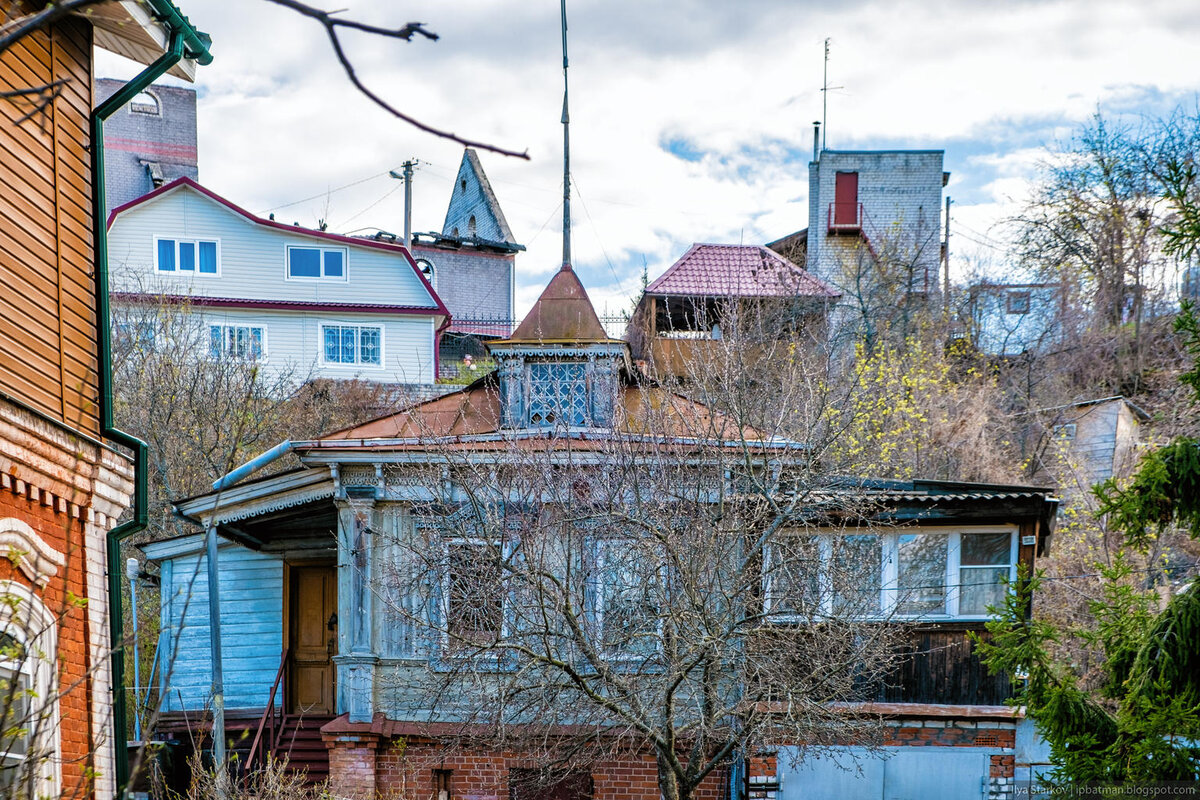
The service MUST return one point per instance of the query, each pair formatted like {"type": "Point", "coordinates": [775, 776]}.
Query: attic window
{"type": "Point", "coordinates": [426, 267]}
{"type": "Point", "coordinates": [145, 103]}
{"type": "Point", "coordinates": [471, 226]}
{"type": "Point", "coordinates": [462, 186]}
{"type": "Point", "coordinates": [1017, 302]}
{"type": "Point", "coordinates": [558, 394]}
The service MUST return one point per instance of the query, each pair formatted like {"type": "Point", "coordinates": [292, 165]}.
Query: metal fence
{"type": "Point", "coordinates": [464, 344]}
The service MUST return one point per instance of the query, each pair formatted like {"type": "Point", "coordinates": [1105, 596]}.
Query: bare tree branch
{"type": "Point", "coordinates": [17, 28]}
{"type": "Point", "coordinates": [332, 23]}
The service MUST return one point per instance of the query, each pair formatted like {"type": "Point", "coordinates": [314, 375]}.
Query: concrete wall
{"type": "Point", "coordinates": [130, 138]}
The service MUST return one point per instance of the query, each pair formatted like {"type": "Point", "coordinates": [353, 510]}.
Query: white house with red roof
{"type": "Point", "coordinates": [690, 303]}
{"type": "Point", "coordinates": [303, 303]}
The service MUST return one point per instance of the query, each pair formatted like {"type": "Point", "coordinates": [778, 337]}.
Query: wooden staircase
{"type": "Point", "coordinates": [300, 741]}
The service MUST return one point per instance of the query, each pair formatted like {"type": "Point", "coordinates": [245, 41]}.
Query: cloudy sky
{"type": "Point", "coordinates": [691, 119]}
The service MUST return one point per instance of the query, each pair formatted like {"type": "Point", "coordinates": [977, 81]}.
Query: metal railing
{"type": "Point", "coordinates": [502, 327]}
{"type": "Point", "coordinates": [267, 723]}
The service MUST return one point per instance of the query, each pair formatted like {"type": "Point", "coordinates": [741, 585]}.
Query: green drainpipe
{"type": "Point", "coordinates": [185, 40]}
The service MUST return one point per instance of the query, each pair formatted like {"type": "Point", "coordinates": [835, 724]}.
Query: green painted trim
{"type": "Point", "coordinates": [181, 32]}
{"type": "Point", "coordinates": [196, 43]}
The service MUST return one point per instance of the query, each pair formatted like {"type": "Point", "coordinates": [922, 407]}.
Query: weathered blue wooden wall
{"type": "Point", "coordinates": [251, 587]}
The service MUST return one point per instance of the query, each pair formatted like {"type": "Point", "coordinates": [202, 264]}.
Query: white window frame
{"type": "Point", "coordinates": [358, 363]}
{"type": "Point", "coordinates": [597, 548]}
{"type": "Point", "coordinates": [175, 270]}
{"type": "Point", "coordinates": [25, 617]}
{"type": "Point", "coordinates": [889, 591]}
{"type": "Point", "coordinates": [322, 278]}
{"type": "Point", "coordinates": [225, 354]}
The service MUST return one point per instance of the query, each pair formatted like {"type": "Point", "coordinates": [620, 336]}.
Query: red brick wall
{"type": "Point", "coordinates": [405, 769]}
{"type": "Point", "coordinates": [1002, 767]}
{"type": "Point", "coordinates": [60, 525]}
{"type": "Point", "coordinates": [949, 734]}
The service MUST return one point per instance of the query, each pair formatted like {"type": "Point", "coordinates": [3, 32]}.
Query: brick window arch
{"type": "Point", "coordinates": [30, 742]}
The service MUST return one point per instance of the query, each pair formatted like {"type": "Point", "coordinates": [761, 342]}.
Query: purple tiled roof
{"type": "Point", "coordinates": [737, 270]}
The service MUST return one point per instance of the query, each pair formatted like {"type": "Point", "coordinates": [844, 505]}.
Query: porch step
{"type": "Point", "coordinates": [300, 740]}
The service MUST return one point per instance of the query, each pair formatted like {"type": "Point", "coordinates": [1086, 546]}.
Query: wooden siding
{"type": "Point", "coordinates": [47, 308]}
{"type": "Point", "coordinates": [939, 664]}
{"type": "Point", "coordinates": [251, 633]}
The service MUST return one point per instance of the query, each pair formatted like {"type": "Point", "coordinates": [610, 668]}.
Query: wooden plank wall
{"type": "Point", "coordinates": [48, 341]}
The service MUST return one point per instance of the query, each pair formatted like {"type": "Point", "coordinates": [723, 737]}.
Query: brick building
{"type": "Point", "coordinates": [149, 142]}
{"type": "Point", "coordinates": [63, 483]}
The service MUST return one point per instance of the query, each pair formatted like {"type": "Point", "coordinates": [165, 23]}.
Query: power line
{"type": "Point", "coordinates": [325, 193]}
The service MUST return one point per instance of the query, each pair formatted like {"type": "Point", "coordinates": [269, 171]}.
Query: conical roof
{"type": "Point", "coordinates": [563, 313]}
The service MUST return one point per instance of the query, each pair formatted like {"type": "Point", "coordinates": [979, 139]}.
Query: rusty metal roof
{"type": "Point", "coordinates": [563, 313]}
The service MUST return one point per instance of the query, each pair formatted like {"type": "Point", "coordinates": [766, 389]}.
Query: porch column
{"type": "Point", "coordinates": [357, 656]}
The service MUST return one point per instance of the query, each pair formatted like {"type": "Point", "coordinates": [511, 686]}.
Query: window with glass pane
{"type": "Point", "coordinates": [558, 394]}
{"type": "Point", "coordinates": [316, 262]}
{"type": "Point", "coordinates": [368, 345]}
{"type": "Point", "coordinates": [166, 255]}
{"type": "Point", "coordinates": [985, 563]}
{"type": "Point", "coordinates": [474, 593]}
{"type": "Point", "coordinates": [304, 262]}
{"type": "Point", "coordinates": [15, 722]}
{"type": "Point", "coordinates": [794, 575]}
{"type": "Point", "coordinates": [187, 256]}
{"type": "Point", "coordinates": [921, 573]}
{"type": "Point", "coordinates": [628, 585]}
{"type": "Point", "coordinates": [855, 572]}
{"type": "Point", "coordinates": [236, 341]}
{"type": "Point", "coordinates": [333, 263]}
{"type": "Point", "coordinates": [208, 257]}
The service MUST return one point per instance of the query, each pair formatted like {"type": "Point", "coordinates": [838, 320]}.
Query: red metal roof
{"type": "Point", "coordinates": [737, 270]}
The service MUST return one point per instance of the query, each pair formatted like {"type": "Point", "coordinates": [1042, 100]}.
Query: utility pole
{"type": "Point", "coordinates": [946, 265]}
{"type": "Point", "coordinates": [407, 177]}
{"type": "Point", "coordinates": [218, 673]}
{"type": "Point", "coordinates": [566, 123]}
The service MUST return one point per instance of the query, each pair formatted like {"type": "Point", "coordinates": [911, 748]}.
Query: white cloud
{"type": "Point", "coordinates": [739, 82]}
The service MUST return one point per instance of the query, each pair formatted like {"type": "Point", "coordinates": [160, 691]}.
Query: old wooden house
{"type": "Point", "coordinates": [66, 475]}
{"type": "Point", "coordinates": [351, 585]}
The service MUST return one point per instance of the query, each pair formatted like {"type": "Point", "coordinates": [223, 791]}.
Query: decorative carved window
{"type": "Point", "coordinates": [558, 394]}
{"type": "Point", "coordinates": [628, 595]}
{"type": "Point", "coordinates": [474, 592]}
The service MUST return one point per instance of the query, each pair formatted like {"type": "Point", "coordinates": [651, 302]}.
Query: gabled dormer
{"type": "Point", "coordinates": [559, 368]}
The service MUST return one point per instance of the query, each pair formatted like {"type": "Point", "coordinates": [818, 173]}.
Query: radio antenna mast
{"type": "Point", "coordinates": [566, 123]}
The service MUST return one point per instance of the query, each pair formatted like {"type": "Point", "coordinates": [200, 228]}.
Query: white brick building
{"type": "Point", "coordinates": [872, 206]}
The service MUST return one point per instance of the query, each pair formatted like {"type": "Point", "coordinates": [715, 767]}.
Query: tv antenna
{"type": "Point", "coordinates": [825, 90]}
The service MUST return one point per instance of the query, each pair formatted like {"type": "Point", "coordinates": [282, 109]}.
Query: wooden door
{"type": "Point", "coordinates": [312, 639]}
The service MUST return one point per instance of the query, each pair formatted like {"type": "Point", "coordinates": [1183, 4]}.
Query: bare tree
{"type": "Point", "coordinates": [675, 588]}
